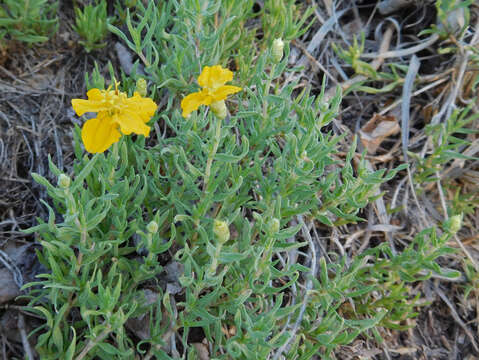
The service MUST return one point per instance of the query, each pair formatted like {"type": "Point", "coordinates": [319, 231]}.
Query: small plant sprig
{"type": "Point", "coordinates": [448, 141]}
{"type": "Point", "coordinates": [352, 56]}
{"type": "Point", "coordinates": [29, 21]}
{"type": "Point", "coordinates": [285, 19]}
{"type": "Point", "coordinates": [91, 23]}
{"type": "Point", "coordinates": [393, 76]}
{"type": "Point", "coordinates": [452, 19]}
{"type": "Point", "coordinates": [122, 8]}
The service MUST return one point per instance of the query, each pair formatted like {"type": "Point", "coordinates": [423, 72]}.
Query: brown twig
{"type": "Point", "coordinates": [4, 347]}
{"type": "Point", "coordinates": [93, 342]}
{"type": "Point", "coordinates": [23, 334]}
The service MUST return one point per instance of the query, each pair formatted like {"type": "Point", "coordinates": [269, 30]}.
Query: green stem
{"type": "Point", "coordinates": [72, 209]}
{"type": "Point", "coordinates": [266, 90]}
{"type": "Point", "coordinates": [214, 262]}
{"type": "Point", "coordinates": [212, 154]}
{"type": "Point", "coordinates": [93, 342]}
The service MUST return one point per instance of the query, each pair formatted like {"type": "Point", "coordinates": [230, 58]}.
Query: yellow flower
{"type": "Point", "coordinates": [117, 114]}
{"type": "Point", "coordinates": [212, 80]}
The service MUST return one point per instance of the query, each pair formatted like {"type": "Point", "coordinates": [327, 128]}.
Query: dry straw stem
{"type": "Point", "coordinates": [414, 94]}
{"type": "Point", "coordinates": [456, 316]}
{"type": "Point", "coordinates": [404, 52]}
{"type": "Point", "coordinates": [93, 342]}
{"type": "Point", "coordinates": [315, 63]}
{"type": "Point", "coordinates": [405, 119]}
{"type": "Point", "coordinates": [23, 333]}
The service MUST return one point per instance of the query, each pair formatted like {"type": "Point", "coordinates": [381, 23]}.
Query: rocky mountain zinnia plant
{"type": "Point", "coordinates": [205, 233]}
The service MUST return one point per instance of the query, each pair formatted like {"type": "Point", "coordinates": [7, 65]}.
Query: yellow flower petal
{"type": "Point", "coordinates": [213, 77]}
{"type": "Point", "coordinates": [131, 122]}
{"type": "Point", "coordinates": [95, 95]}
{"type": "Point", "coordinates": [145, 107]}
{"type": "Point", "coordinates": [95, 103]}
{"type": "Point", "coordinates": [224, 91]}
{"type": "Point", "coordinates": [193, 101]}
{"type": "Point", "coordinates": [99, 134]}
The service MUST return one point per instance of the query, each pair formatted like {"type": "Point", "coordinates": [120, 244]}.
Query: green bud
{"type": "Point", "coordinates": [141, 87]}
{"type": "Point", "coordinates": [221, 230]}
{"type": "Point", "coordinates": [152, 227]}
{"type": "Point", "coordinates": [64, 181]}
{"type": "Point", "coordinates": [277, 50]}
{"type": "Point", "coordinates": [455, 223]}
{"type": "Point", "coordinates": [219, 109]}
{"type": "Point", "coordinates": [274, 225]}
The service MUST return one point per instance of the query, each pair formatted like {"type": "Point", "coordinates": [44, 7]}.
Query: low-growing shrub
{"type": "Point", "coordinates": [204, 231]}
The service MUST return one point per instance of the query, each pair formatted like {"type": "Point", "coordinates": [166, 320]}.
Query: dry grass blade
{"type": "Point", "coordinates": [23, 333]}
{"type": "Point", "coordinates": [12, 267]}
{"type": "Point", "coordinates": [405, 118]}
{"type": "Point", "coordinates": [406, 103]}
{"type": "Point", "coordinates": [322, 32]}
{"type": "Point", "coordinates": [315, 63]}
{"type": "Point", "coordinates": [416, 93]}
{"type": "Point", "coordinates": [404, 52]}
{"type": "Point", "coordinates": [386, 7]}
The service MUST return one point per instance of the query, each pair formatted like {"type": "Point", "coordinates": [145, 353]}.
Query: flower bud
{"type": "Point", "coordinates": [455, 223]}
{"type": "Point", "coordinates": [277, 50]}
{"type": "Point", "coordinates": [221, 230]}
{"type": "Point", "coordinates": [64, 181]}
{"type": "Point", "coordinates": [219, 109]}
{"type": "Point", "coordinates": [274, 225]}
{"type": "Point", "coordinates": [141, 87]}
{"type": "Point", "coordinates": [152, 227]}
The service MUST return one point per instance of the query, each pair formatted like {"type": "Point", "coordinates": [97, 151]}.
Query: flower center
{"type": "Point", "coordinates": [115, 100]}
{"type": "Point", "coordinates": [212, 89]}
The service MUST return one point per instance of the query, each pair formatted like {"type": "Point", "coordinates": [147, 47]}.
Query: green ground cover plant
{"type": "Point", "coordinates": [198, 187]}
{"type": "Point", "coordinates": [215, 205]}
{"type": "Point", "coordinates": [29, 21]}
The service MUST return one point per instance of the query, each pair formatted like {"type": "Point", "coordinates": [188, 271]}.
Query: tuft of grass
{"type": "Point", "coordinates": [91, 23]}
{"type": "Point", "coordinates": [29, 21]}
